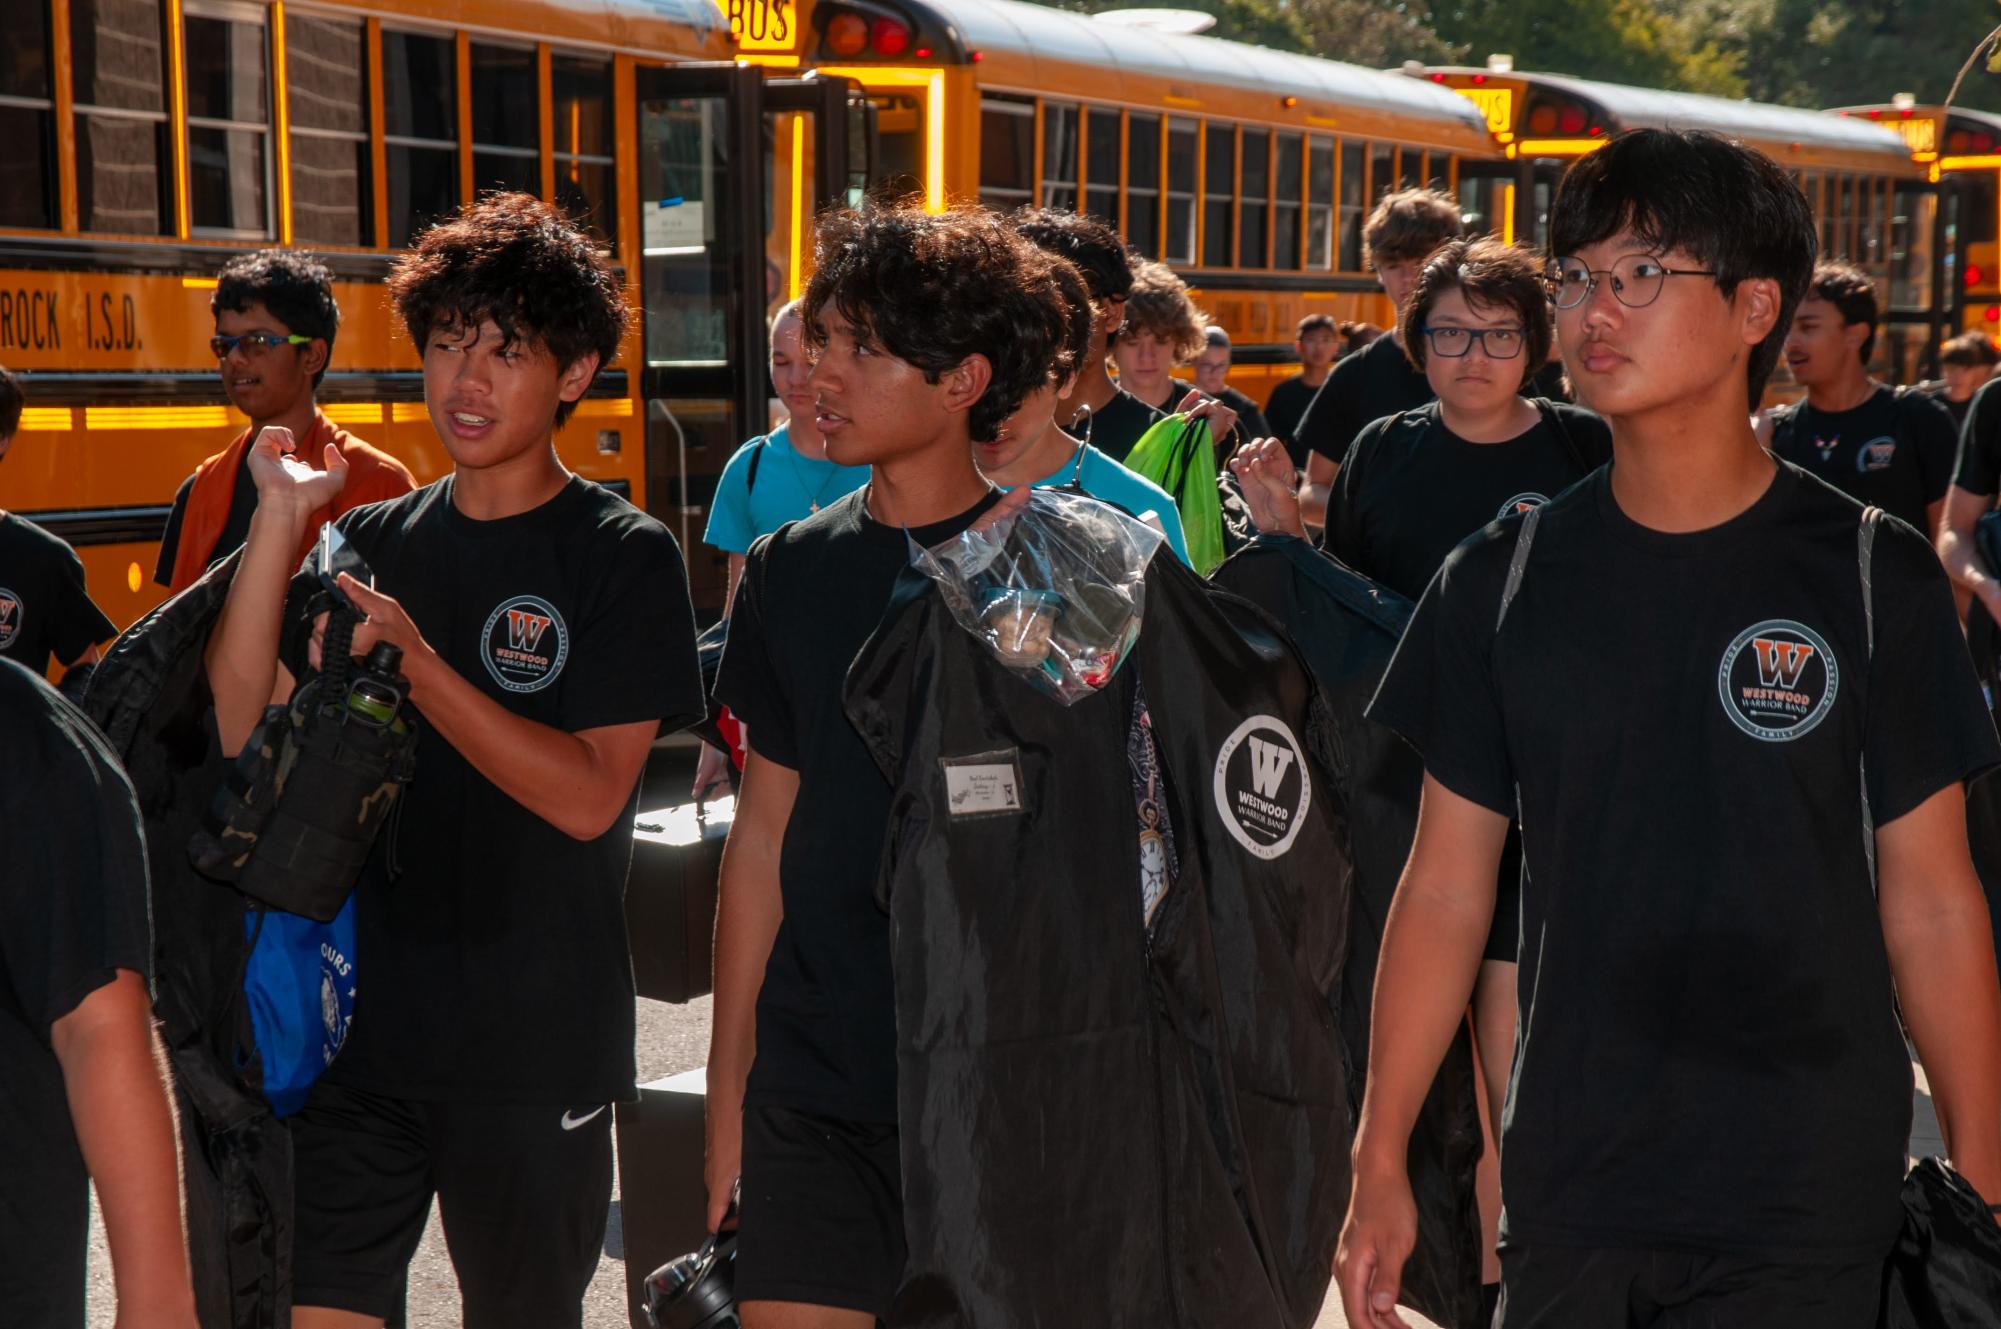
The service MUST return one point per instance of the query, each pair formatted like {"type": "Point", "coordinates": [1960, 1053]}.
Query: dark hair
{"type": "Point", "coordinates": [12, 402]}
{"type": "Point", "coordinates": [1159, 303]}
{"type": "Point", "coordinates": [1087, 242]}
{"type": "Point", "coordinates": [933, 289]}
{"type": "Point", "coordinates": [1851, 293]}
{"type": "Point", "coordinates": [513, 259]}
{"type": "Point", "coordinates": [1080, 318]}
{"type": "Point", "coordinates": [1355, 336]}
{"type": "Point", "coordinates": [1487, 272]}
{"type": "Point", "coordinates": [1407, 225]}
{"type": "Point", "coordinates": [1731, 208]}
{"type": "Point", "coordinates": [1970, 350]}
{"type": "Point", "coordinates": [293, 285]}
{"type": "Point", "coordinates": [1317, 323]}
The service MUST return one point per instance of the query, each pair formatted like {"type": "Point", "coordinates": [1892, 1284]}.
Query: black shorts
{"type": "Point", "coordinates": [1504, 938]}
{"type": "Point", "coordinates": [1562, 1287]}
{"type": "Point", "coordinates": [821, 1221]}
{"type": "Point", "coordinates": [523, 1194]}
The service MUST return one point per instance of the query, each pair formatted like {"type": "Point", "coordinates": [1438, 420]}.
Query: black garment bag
{"type": "Point", "coordinates": [1348, 627]}
{"type": "Point", "coordinates": [1106, 1119]}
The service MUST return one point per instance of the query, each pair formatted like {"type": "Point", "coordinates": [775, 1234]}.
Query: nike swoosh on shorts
{"type": "Point", "coordinates": [571, 1120]}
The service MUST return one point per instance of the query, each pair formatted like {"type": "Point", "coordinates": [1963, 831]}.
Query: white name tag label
{"type": "Point", "coordinates": [987, 784]}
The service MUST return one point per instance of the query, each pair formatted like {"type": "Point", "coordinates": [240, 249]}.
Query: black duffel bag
{"type": "Point", "coordinates": [1945, 1270]}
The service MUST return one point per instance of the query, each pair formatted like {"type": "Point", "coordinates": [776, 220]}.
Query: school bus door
{"type": "Point", "coordinates": [732, 167]}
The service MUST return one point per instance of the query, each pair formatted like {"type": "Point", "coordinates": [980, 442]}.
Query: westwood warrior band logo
{"type": "Point", "coordinates": [525, 644]}
{"type": "Point", "coordinates": [1262, 786]}
{"type": "Point", "coordinates": [1521, 503]}
{"type": "Point", "coordinates": [10, 617]}
{"type": "Point", "coordinates": [1778, 680]}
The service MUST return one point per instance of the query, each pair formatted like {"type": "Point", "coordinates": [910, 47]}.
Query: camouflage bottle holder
{"type": "Point", "coordinates": [297, 816]}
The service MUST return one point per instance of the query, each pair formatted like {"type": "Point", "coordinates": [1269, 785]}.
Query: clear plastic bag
{"type": "Point", "coordinates": [1056, 591]}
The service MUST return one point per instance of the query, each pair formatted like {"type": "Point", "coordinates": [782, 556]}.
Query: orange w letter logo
{"type": "Point", "coordinates": [525, 629]}
{"type": "Point", "coordinates": [7, 607]}
{"type": "Point", "coordinates": [1780, 662]}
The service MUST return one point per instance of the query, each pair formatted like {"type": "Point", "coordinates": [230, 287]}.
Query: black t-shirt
{"type": "Point", "coordinates": [1283, 410]}
{"type": "Point", "coordinates": [1376, 381]}
{"type": "Point", "coordinates": [235, 529]}
{"type": "Point", "coordinates": [1410, 489]}
{"type": "Point", "coordinates": [1709, 1057]}
{"type": "Point", "coordinates": [45, 607]}
{"type": "Point", "coordinates": [1894, 451]}
{"type": "Point", "coordinates": [812, 593]}
{"type": "Point", "coordinates": [1977, 468]}
{"type": "Point", "coordinates": [73, 912]}
{"type": "Point", "coordinates": [1115, 429]}
{"type": "Point", "coordinates": [491, 949]}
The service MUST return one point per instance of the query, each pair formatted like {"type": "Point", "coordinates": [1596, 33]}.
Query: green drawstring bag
{"type": "Point", "coordinates": [1178, 455]}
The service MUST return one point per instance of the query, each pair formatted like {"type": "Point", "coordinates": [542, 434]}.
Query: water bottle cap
{"type": "Point", "coordinates": [386, 658]}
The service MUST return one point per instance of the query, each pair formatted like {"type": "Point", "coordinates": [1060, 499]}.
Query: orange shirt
{"type": "Point", "coordinates": [372, 475]}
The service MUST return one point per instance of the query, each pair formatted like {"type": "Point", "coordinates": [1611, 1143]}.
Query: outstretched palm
{"type": "Point", "coordinates": [279, 473]}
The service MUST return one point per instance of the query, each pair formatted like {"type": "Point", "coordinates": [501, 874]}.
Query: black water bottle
{"type": "Point", "coordinates": [376, 695]}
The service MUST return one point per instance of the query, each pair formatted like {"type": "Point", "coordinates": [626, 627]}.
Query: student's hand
{"type": "Point", "coordinates": [281, 477]}
{"type": "Point", "coordinates": [1270, 483]}
{"type": "Point", "coordinates": [386, 621]}
{"type": "Point", "coordinates": [1375, 1241]}
{"type": "Point", "coordinates": [722, 1162]}
{"type": "Point", "coordinates": [712, 773]}
{"type": "Point", "coordinates": [1011, 503]}
{"type": "Point", "coordinates": [1221, 418]}
{"type": "Point", "coordinates": [154, 1315]}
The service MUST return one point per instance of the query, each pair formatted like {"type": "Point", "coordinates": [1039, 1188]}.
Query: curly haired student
{"type": "Point", "coordinates": [547, 636]}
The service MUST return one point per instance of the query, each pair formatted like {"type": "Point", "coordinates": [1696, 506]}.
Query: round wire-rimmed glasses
{"type": "Point", "coordinates": [1636, 280]}
{"type": "Point", "coordinates": [1494, 343]}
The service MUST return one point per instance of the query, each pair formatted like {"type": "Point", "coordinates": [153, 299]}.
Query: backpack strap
{"type": "Point", "coordinates": [1518, 565]}
{"type": "Point", "coordinates": [1553, 419]}
{"type": "Point", "coordinates": [756, 456]}
{"type": "Point", "coordinates": [1865, 553]}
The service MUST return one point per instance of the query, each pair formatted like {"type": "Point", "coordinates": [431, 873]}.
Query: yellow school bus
{"type": "Point", "coordinates": [1960, 150]}
{"type": "Point", "coordinates": [1250, 171]}
{"type": "Point", "coordinates": [145, 142]}
{"type": "Point", "coordinates": [157, 138]}
{"type": "Point", "coordinates": [1875, 206]}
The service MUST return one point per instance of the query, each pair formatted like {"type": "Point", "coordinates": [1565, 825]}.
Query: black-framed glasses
{"type": "Point", "coordinates": [1494, 343]}
{"type": "Point", "coordinates": [1636, 280]}
{"type": "Point", "coordinates": [254, 343]}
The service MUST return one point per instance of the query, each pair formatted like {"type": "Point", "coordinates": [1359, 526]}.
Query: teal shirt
{"type": "Point", "coordinates": [1103, 478]}
{"type": "Point", "coordinates": [788, 485]}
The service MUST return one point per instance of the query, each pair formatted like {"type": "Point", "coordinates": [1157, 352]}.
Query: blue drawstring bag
{"type": "Point", "coordinates": [299, 985]}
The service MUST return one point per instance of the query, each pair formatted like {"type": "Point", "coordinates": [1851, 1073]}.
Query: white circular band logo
{"type": "Point", "coordinates": [524, 644]}
{"type": "Point", "coordinates": [1521, 503]}
{"type": "Point", "coordinates": [1262, 788]}
{"type": "Point", "coordinates": [1778, 680]}
{"type": "Point", "coordinates": [10, 617]}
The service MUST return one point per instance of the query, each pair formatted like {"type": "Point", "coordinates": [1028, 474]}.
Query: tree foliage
{"type": "Point", "coordinates": [1798, 52]}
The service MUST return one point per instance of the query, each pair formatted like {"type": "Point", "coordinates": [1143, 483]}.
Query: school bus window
{"type": "Point", "coordinates": [27, 122]}
{"type": "Point", "coordinates": [1256, 193]}
{"type": "Point", "coordinates": [1219, 194]}
{"type": "Point", "coordinates": [420, 130]}
{"type": "Point", "coordinates": [1059, 156]}
{"type": "Point", "coordinates": [899, 125]}
{"type": "Point", "coordinates": [1354, 188]}
{"type": "Point", "coordinates": [1143, 184]}
{"type": "Point", "coordinates": [506, 149]}
{"type": "Point", "coordinates": [228, 89]}
{"type": "Point", "coordinates": [326, 98]}
{"type": "Point", "coordinates": [1101, 163]}
{"type": "Point", "coordinates": [1180, 191]}
{"type": "Point", "coordinates": [586, 181]}
{"type": "Point", "coordinates": [1872, 236]}
{"type": "Point", "coordinates": [1320, 203]}
{"type": "Point", "coordinates": [1007, 152]}
{"type": "Point", "coordinates": [1912, 208]}
{"type": "Point", "coordinates": [124, 167]}
{"type": "Point", "coordinates": [1383, 177]}
{"type": "Point", "coordinates": [1285, 203]}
